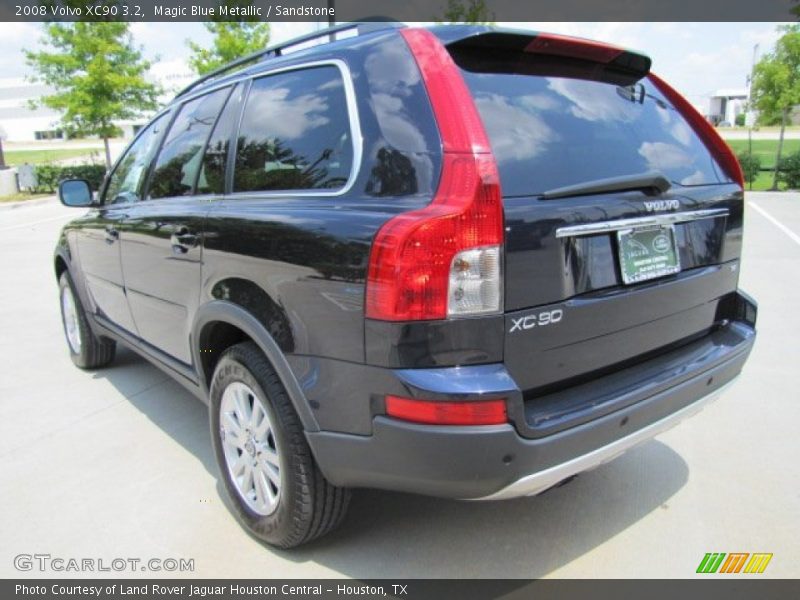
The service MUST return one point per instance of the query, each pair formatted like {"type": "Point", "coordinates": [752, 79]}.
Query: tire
{"type": "Point", "coordinates": [295, 503]}
{"type": "Point", "coordinates": [86, 350]}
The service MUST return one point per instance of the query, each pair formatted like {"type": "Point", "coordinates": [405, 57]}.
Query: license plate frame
{"type": "Point", "coordinates": [646, 253]}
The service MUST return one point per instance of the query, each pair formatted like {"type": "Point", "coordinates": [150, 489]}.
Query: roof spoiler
{"type": "Point", "coordinates": [606, 61]}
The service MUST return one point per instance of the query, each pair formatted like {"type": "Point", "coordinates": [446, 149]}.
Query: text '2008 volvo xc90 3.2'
{"type": "Point", "coordinates": [460, 261]}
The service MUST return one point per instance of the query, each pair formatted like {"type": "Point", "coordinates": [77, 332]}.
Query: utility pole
{"type": "Point", "coordinates": [750, 116]}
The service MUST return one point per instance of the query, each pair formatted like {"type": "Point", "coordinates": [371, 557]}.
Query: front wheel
{"type": "Point", "coordinates": [278, 492]}
{"type": "Point", "coordinates": [86, 350]}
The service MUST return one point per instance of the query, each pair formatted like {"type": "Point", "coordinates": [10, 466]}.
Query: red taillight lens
{"type": "Point", "coordinates": [721, 152]}
{"type": "Point", "coordinates": [459, 123]}
{"type": "Point", "coordinates": [430, 412]}
{"type": "Point", "coordinates": [409, 267]}
{"type": "Point", "coordinates": [412, 254]}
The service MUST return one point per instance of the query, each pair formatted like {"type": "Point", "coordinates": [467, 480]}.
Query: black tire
{"type": "Point", "coordinates": [308, 505]}
{"type": "Point", "coordinates": [94, 351]}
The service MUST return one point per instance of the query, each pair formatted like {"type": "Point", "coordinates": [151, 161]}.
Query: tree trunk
{"type": "Point", "coordinates": [784, 114]}
{"type": "Point", "coordinates": [750, 152]}
{"type": "Point", "coordinates": [2, 158]}
{"type": "Point", "coordinates": [108, 152]}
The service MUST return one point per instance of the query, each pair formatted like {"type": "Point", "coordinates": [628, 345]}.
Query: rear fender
{"type": "Point", "coordinates": [228, 312]}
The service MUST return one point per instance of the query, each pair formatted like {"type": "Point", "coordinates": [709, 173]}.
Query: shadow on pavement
{"type": "Point", "coordinates": [399, 535]}
{"type": "Point", "coordinates": [396, 535]}
{"type": "Point", "coordinates": [169, 406]}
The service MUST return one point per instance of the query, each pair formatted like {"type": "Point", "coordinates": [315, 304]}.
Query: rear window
{"type": "Point", "coordinates": [295, 133]}
{"type": "Point", "coordinates": [550, 132]}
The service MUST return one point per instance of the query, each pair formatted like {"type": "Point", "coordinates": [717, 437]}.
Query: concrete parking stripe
{"type": "Point", "coordinates": [792, 235]}
{"type": "Point", "coordinates": [32, 223]}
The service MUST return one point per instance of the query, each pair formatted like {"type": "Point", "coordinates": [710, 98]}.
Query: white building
{"type": "Point", "coordinates": [20, 123]}
{"type": "Point", "coordinates": [726, 104]}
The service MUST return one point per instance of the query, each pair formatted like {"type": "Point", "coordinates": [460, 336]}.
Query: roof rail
{"type": "Point", "coordinates": [362, 27]}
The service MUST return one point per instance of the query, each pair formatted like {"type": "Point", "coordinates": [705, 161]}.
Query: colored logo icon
{"type": "Point", "coordinates": [734, 562]}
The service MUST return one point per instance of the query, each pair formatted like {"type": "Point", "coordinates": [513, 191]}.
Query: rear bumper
{"type": "Point", "coordinates": [540, 481]}
{"type": "Point", "coordinates": [497, 462]}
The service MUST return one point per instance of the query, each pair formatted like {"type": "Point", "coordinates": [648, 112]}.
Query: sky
{"type": "Point", "coordinates": [696, 58]}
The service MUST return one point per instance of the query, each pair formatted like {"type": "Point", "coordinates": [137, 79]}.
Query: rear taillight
{"type": "Point", "coordinates": [433, 412]}
{"type": "Point", "coordinates": [721, 152]}
{"type": "Point", "coordinates": [445, 259]}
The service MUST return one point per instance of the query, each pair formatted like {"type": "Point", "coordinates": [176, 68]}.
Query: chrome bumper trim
{"type": "Point", "coordinates": [662, 219]}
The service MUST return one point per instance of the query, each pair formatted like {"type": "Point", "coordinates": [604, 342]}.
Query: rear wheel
{"type": "Point", "coordinates": [278, 492]}
{"type": "Point", "coordinates": [86, 350]}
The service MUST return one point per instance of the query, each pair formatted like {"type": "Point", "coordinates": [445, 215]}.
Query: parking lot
{"type": "Point", "coordinates": [117, 463]}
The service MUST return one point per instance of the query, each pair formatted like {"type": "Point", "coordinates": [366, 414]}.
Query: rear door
{"type": "Point", "coordinates": [594, 277]}
{"type": "Point", "coordinates": [162, 234]}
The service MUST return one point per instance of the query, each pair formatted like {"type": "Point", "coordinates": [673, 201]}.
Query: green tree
{"type": "Point", "coordinates": [97, 74]}
{"type": "Point", "coordinates": [467, 11]}
{"type": "Point", "coordinates": [232, 40]}
{"type": "Point", "coordinates": [790, 171]}
{"type": "Point", "coordinates": [776, 85]}
{"type": "Point", "coordinates": [751, 166]}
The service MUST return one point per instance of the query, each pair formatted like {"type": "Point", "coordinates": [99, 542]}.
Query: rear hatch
{"type": "Point", "coordinates": [623, 227]}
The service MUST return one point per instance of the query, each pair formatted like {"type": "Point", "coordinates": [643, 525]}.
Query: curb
{"type": "Point", "coordinates": [22, 203]}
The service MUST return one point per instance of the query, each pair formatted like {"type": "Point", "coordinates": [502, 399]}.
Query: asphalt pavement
{"type": "Point", "coordinates": [117, 463]}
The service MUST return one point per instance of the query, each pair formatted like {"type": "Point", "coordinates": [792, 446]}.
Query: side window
{"type": "Point", "coordinates": [295, 133]}
{"type": "Point", "coordinates": [125, 184]}
{"type": "Point", "coordinates": [178, 163]}
{"type": "Point", "coordinates": [215, 159]}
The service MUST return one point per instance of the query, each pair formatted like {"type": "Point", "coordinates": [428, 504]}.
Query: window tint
{"type": "Point", "coordinates": [212, 170]}
{"type": "Point", "coordinates": [295, 133]}
{"type": "Point", "coordinates": [127, 179]}
{"type": "Point", "coordinates": [178, 162]}
{"type": "Point", "coordinates": [549, 132]}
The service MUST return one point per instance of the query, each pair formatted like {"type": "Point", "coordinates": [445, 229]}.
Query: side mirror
{"type": "Point", "coordinates": [75, 192]}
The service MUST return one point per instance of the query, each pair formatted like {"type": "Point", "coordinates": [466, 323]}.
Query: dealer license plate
{"type": "Point", "coordinates": [647, 253]}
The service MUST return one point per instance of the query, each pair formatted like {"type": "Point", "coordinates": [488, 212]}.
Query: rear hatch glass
{"type": "Point", "coordinates": [549, 132]}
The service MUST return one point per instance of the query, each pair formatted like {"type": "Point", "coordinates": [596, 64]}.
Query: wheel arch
{"type": "Point", "coordinates": [60, 264]}
{"type": "Point", "coordinates": [220, 324]}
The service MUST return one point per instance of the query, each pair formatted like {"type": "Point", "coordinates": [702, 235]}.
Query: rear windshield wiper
{"type": "Point", "coordinates": [652, 181]}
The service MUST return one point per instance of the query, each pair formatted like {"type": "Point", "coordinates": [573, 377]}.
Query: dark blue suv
{"type": "Point", "coordinates": [460, 261]}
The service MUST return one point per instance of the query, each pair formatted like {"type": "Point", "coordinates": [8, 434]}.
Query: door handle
{"type": "Point", "coordinates": [112, 235]}
{"type": "Point", "coordinates": [182, 240]}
